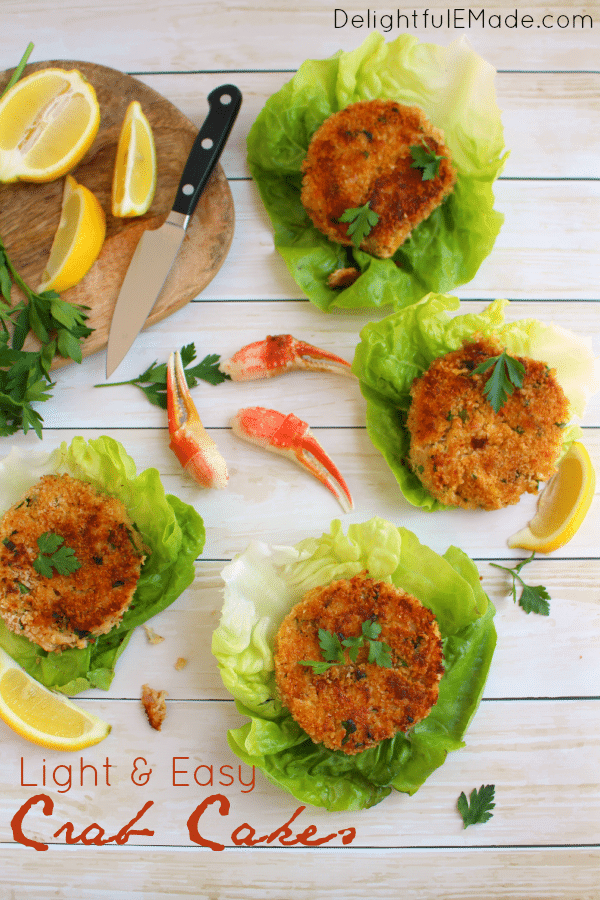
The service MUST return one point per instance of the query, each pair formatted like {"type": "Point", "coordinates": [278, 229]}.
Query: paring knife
{"type": "Point", "coordinates": [157, 249]}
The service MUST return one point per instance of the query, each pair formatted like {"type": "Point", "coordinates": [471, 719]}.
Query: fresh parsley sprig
{"type": "Point", "coordinates": [153, 381]}
{"type": "Point", "coordinates": [427, 160]}
{"type": "Point", "coordinates": [532, 599]}
{"type": "Point", "coordinates": [478, 808]}
{"type": "Point", "coordinates": [333, 648]}
{"type": "Point", "coordinates": [53, 554]}
{"type": "Point", "coordinates": [506, 375]}
{"type": "Point", "coordinates": [362, 220]}
{"type": "Point", "coordinates": [25, 375]}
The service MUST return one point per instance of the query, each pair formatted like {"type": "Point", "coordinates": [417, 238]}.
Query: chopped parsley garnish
{"type": "Point", "coordinates": [427, 160]}
{"type": "Point", "coordinates": [532, 599]}
{"type": "Point", "coordinates": [478, 808]}
{"type": "Point", "coordinates": [54, 555]}
{"type": "Point", "coordinates": [506, 375]}
{"type": "Point", "coordinates": [334, 652]}
{"type": "Point", "coordinates": [361, 220]}
{"type": "Point", "coordinates": [153, 381]}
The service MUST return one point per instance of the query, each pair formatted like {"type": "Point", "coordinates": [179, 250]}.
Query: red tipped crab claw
{"type": "Point", "coordinates": [190, 442]}
{"type": "Point", "coordinates": [278, 354]}
{"type": "Point", "coordinates": [291, 437]}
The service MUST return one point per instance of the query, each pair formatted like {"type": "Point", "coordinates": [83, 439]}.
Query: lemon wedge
{"type": "Point", "coordinates": [562, 506]}
{"type": "Point", "coordinates": [48, 121]}
{"type": "Point", "coordinates": [134, 178]}
{"type": "Point", "coordinates": [78, 239]}
{"type": "Point", "coordinates": [42, 716]}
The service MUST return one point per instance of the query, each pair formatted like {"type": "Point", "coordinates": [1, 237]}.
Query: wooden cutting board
{"type": "Point", "coordinates": [29, 213]}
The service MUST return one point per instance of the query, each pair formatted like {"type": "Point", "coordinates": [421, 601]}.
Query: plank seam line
{"type": "Point", "coordinates": [370, 847]}
{"type": "Point", "coordinates": [573, 699]}
{"type": "Point", "coordinates": [254, 71]}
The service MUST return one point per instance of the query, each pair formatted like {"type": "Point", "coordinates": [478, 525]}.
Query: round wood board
{"type": "Point", "coordinates": [29, 213]}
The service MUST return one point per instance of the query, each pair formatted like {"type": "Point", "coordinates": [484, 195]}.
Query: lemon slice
{"type": "Point", "coordinates": [78, 239]}
{"type": "Point", "coordinates": [42, 716]}
{"type": "Point", "coordinates": [48, 121]}
{"type": "Point", "coordinates": [134, 178]}
{"type": "Point", "coordinates": [562, 506]}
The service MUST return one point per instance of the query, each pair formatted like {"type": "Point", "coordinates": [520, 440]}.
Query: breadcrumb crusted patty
{"type": "Point", "coordinates": [362, 155]}
{"type": "Point", "coordinates": [67, 610]}
{"type": "Point", "coordinates": [470, 456]}
{"type": "Point", "coordinates": [355, 705]}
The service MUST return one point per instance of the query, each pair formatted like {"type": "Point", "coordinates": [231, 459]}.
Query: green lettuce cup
{"type": "Point", "coordinates": [400, 347]}
{"type": "Point", "coordinates": [264, 583]}
{"type": "Point", "coordinates": [172, 531]}
{"type": "Point", "coordinates": [455, 88]}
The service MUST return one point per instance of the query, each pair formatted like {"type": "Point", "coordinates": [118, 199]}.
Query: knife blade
{"type": "Point", "coordinates": [157, 249]}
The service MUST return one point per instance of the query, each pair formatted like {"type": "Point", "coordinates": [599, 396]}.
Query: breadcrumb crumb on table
{"type": "Point", "coordinates": [154, 703]}
{"type": "Point", "coordinates": [181, 663]}
{"type": "Point", "coordinates": [153, 637]}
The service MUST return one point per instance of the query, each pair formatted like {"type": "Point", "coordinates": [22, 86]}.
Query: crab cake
{"type": "Point", "coordinates": [57, 610]}
{"type": "Point", "coordinates": [361, 155]}
{"type": "Point", "coordinates": [470, 456]}
{"type": "Point", "coordinates": [356, 704]}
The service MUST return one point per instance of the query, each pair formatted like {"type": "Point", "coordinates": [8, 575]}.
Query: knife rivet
{"type": "Point", "coordinates": [207, 143]}
{"type": "Point", "coordinates": [187, 189]}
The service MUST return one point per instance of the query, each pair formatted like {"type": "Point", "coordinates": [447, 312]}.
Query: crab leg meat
{"type": "Point", "coordinates": [290, 436]}
{"type": "Point", "coordinates": [278, 354]}
{"type": "Point", "coordinates": [190, 442]}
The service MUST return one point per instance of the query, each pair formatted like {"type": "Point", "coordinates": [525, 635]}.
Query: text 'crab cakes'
{"type": "Point", "coordinates": [361, 155]}
{"type": "Point", "coordinates": [62, 609]}
{"type": "Point", "coordinates": [355, 705]}
{"type": "Point", "coordinates": [466, 454]}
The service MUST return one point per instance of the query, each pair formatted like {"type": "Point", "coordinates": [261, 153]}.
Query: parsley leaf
{"type": "Point", "coordinates": [379, 651]}
{"type": "Point", "coordinates": [478, 807]}
{"type": "Point", "coordinates": [507, 374]}
{"type": "Point", "coordinates": [361, 220]}
{"type": "Point", "coordinates": [425, 159]}
{"type": "Point", "coordinates": [331, 646]}
{"type": "Point", "coordinates": [54, 555]}
{"type": "Point", "coordinates": [153, 381]}
{"type": "Point", "coordinates": [532, 599]}
{"type": "Point", "coordinates": [333, 652]}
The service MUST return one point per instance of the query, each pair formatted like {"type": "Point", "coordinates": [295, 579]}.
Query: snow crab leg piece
{"type": "Point", "coordinates": [190, 442]}
{"type": "Point", "coordinates": [278, 354]}
{"type": "Point", "coordinates": [290, 436]}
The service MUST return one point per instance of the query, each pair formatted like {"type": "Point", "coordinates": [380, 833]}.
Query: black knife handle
{"type": "Point", "coordinates": [224, 104]}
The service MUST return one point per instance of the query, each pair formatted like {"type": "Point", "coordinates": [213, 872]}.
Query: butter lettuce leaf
{"type": "Point", "coordinates": [172, 530]}
{"type": "Point", "coordinates": [261, 586]}
{"type": "Point", "coordinates": [401, 346]}
{"type": "Point", "coordinates": [455, 88]}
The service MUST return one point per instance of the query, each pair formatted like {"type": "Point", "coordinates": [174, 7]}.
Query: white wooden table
{"type": "Point", "coordinates": [536, 735]}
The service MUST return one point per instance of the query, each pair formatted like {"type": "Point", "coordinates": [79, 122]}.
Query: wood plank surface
{"type": "Point", "coordinates": [535, 735]}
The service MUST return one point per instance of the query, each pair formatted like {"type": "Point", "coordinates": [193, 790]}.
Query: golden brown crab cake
{"type": "Point", "coordinates": [361, 155]}
{"type": "Point", "coordinates": [355, 705]}
{"type": "Point", "coordinates": [466, 454]}
{"type": "Point", "coordinates": [59, 608]}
